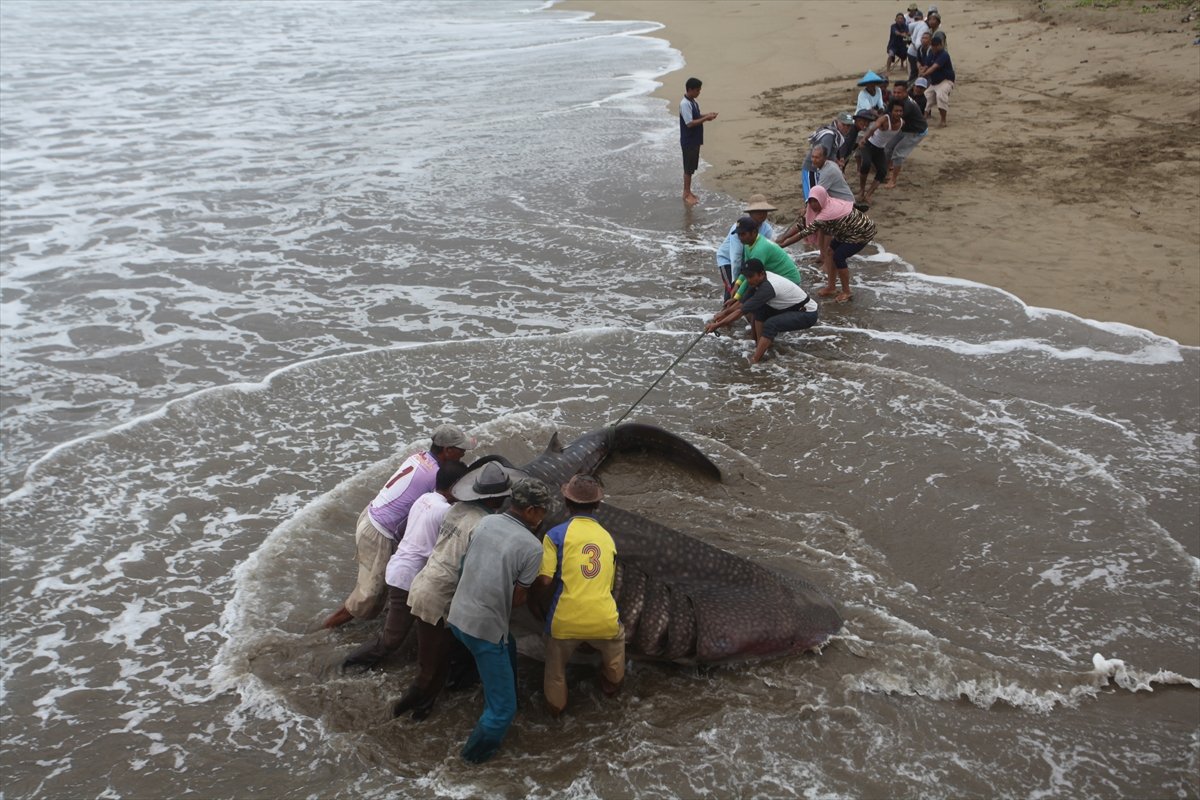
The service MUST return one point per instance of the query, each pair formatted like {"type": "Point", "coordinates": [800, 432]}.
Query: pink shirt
{"type": "Point", "coordinates": [424, 520]}
{"type": "Point", "coordinates": [389, 510]}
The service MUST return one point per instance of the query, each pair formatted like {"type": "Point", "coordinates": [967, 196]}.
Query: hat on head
{"type": "Point", "coordinates": [917, 14]}
{"type": "Point", "coordinates": [871, 77]}
{"type": "Point", "coordinates": [846, 118]}
{"type": "Point", "coordinates": [932, 10]}
{"type": "Point", "coordinates": [913, 7]}
{"type": "Point", "coordinates": [583, 489]}
{"type": "Point", "coordinates": [922, 82]}
{"type": "Point", "coordinates": [531, 493]}
{"type": "Point", "coordinates": [450, 436]}
{"type": "Point", "coordinates": [866, 113]}
{"type": "Point", "coordinates": [493, 479]}
{"type": "Point", "coordinates": [758, 202]}
{"type": "Point", "coordinates": [939, 38]}
{"type": "Point", "coordinates": [747, 225]}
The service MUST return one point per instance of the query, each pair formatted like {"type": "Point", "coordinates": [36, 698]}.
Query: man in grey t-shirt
{"type": "Point", "coordinates": [502, 561]}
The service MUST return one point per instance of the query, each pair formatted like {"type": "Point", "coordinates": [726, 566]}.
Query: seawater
{"type": "Point", "coordinates": [253, 252]}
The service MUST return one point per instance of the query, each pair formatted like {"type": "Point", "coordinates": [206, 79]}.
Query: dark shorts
{"type": "Point", "coordinates": [874, 157]}
{"type": "Point", "coordinates": [691, 159]}
{"type": "Point", "coordinates": [843, 250]}
{"type": "Point", "coordinates": [789, 319]}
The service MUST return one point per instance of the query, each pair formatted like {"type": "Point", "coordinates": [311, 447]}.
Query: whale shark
{"type": "Point", "coordinates": [680, 598]}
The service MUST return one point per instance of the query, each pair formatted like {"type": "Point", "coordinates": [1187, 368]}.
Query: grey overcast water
{"type": "Point", "coordinates": [253, 252]}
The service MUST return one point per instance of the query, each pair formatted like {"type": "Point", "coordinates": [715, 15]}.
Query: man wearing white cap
{"type": "Point", "coordinates": [381, 524]}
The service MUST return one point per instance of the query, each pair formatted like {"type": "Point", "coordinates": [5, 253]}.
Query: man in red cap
{"type": "Point", "coordinates": [579, 565]}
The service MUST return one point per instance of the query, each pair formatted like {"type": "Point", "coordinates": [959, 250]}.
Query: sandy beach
{"type": "Point", "coordinates": [1069, 173]}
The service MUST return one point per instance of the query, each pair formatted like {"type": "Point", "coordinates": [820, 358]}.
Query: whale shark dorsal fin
{"type": "Point", "coordinates": [554, 446]}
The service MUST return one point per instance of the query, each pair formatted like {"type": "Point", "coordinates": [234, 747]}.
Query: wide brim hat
{"type": "Point", "coordinates": [871, 77]}
{"type": "Point", "coordinates": [758, 202]}
{"type": "Point", "coordinates": [868, 114]}
{"type": "Point", "coordinates": [583, 489]}
{"type": "Point", "coordinates": [493, 479]}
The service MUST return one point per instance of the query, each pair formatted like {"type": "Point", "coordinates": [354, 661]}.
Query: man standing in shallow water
{"type": "Point", "coordinates": [501, 563]}
{"type": "Point", "coordinates": [691, 135]}
{"type": "Point", "coordinates": [579, 566]}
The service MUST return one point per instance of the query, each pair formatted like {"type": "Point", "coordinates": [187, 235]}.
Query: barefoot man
{"type": "Point", "coordinates": [691, 135]}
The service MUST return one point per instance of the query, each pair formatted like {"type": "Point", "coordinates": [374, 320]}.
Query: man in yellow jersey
{"type": "Point", "coordinates": [579, 563]}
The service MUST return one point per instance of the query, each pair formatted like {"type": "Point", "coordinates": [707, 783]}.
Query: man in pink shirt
{"type": "Point", "coordinates": [421, 534]}
{"type": "Point", "coordinates": [381, 524]}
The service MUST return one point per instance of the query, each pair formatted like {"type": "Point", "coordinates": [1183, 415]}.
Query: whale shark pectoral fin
{"type": "Point", "coordinates": [637, 437]}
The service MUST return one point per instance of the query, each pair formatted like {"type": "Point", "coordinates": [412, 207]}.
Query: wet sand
{"type": "Point", "coordinates": [1069, 173]}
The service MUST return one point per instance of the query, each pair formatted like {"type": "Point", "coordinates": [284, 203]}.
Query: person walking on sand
{"type": "Point", "coordinates": [381, 524]}
{"type": "Point", "coordinates": [691, 135]}
{"type": "Point", "coordinates": [940, 74]}
{"type": "Point", "coordinates": [774, 305]}
{"type": "Point", "coordinates": [848, 228]}
{"type": "Point", "coordinates": [579, 566]}
{"type": "Point", "coordinates": [729, 254]}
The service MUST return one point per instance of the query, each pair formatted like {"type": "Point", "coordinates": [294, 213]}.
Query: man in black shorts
{"type": "Point", "coordinates": [691, 135]}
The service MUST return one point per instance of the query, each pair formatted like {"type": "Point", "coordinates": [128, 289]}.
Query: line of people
{"type": "Point", "coordinates": [887, 125]}
{"type": "Point", "coordinates": [451, 551]}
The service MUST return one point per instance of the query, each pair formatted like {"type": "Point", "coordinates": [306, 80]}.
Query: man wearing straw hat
{"type": "Point", "coordinates": [579, 566]}
{"type": "Point", "coordinates": [729, 255]}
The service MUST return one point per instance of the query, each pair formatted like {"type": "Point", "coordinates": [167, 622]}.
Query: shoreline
{"type": "Point", "coordinates": [1025, 189]}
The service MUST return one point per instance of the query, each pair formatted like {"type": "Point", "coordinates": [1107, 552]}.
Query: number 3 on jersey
{"type": "Point", "coordinates": [592, 568]}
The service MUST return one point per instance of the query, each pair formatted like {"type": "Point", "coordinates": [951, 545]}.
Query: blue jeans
{"type": "Point", "coordinates": [497, 663]}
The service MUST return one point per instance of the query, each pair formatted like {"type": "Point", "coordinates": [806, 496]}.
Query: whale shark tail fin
{"type": "Point", "coordinates": [637, 437]}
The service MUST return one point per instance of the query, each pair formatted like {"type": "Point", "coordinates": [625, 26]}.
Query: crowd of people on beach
{"type": "Point", "coordinates": [760, 279]}
{"type": "Point", "coordinates": [450, 551]}
{"type": "Point", "coordinates": [446, 552]}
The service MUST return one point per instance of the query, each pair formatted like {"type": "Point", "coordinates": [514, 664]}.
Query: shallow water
{"type": "Point", "coordinates": [252, 253]}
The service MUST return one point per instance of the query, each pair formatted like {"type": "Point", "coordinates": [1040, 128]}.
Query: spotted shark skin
{"type": "Point", "coordinates": [681, 599]}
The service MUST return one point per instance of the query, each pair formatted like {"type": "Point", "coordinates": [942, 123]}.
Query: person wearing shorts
{"type": "Point", "coordinates": [691, 135]}
{"type": "Point", "coordinates": [940, 74]}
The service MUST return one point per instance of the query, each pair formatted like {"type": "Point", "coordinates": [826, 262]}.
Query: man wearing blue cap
{"type": "Point", "coordinates": [871, 95]}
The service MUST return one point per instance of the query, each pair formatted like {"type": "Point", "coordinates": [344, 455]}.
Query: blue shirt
{"type": "Point", "coordinates": [946, 68]}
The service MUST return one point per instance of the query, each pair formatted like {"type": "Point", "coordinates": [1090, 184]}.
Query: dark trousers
{"type": "Point", "coordinates": [396, 625]}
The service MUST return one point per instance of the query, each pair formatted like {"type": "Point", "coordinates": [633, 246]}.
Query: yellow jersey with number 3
{"type": "Point", "coordinates": [582, 558]}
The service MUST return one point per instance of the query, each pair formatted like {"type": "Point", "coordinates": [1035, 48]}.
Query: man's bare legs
{"type": "Point", "coordinates": [688, 196]}
{"type": "Point", "coordinates": [891, 184]}
{"type": "Point", "coordinates": [762, 343]}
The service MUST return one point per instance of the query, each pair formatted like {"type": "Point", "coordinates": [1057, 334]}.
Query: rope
{"type": "Point", "coordinates": [660, 377]}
